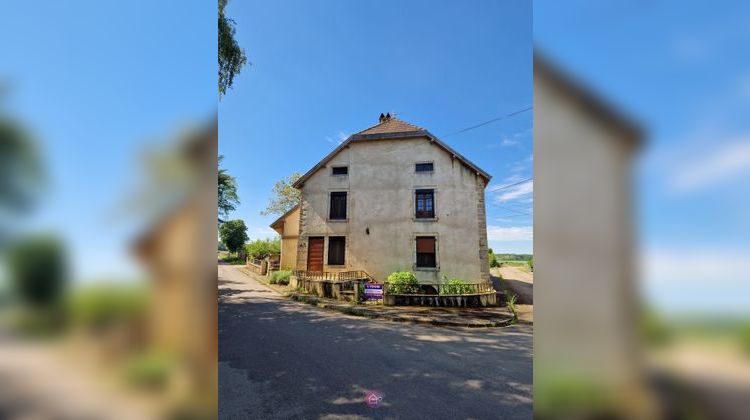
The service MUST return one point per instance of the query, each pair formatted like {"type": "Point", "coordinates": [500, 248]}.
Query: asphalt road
{"type": "Point", "coordinates": [280, 359]}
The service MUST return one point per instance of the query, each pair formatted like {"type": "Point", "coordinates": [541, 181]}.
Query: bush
{"type": "Point", "coordinates": [454, 286]}
{"type": "Point", "coordinates": [492, 258]}
{"type": "Point", "coordinates": [510, 301]}
{"type": "Point", "coordinates": [263, 248]}
{"type": "Point", "coordinates": [149, 370]}
{"type": "Point", "coordinates": [403, 283]}
{"type": "Point", "coordinates": [280, 277]}
{"type": "Point", "coordinates": [38, 270]}
{"type": "Point", "coordinates": [104, 305]}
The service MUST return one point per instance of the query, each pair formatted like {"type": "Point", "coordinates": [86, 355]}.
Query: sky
{"type": "Point", "coordinates": [321, 71]}
{"type": "Point", "coordinates": [681, 70]}
{"type": "Point", "coordinates": [97, 84]}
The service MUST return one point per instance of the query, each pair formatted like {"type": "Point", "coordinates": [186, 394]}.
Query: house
{"type": "Point", "coordinates": [394, 197]}
{"type": "Point", "coordinates": [586, 317]}
{"type": "Point", "coordinates": [287, 226]}
{"type": "Point", "coordinates": [178, 252]}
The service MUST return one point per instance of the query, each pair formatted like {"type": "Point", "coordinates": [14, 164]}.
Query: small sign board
{"type": "Point", "coordinates": [373, 291]}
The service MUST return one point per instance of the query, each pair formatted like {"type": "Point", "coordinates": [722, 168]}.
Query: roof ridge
{"type": "Point", "coordinates": [391, 120]}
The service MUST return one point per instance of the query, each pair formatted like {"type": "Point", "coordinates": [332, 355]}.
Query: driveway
{"type": "Point", "coordinates": [283, 359]}
{"type": "Point", "coordinates": [519, 281]}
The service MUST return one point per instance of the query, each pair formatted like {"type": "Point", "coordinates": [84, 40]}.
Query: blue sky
{"type": "Point", "coordinates": [323, 70]}
{"type": "Point", "coordinates": [682, 70]}
{"type": "Point", "coordinates": [98, 84]}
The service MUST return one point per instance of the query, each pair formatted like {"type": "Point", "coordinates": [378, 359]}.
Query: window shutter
{"type": "Point", "coordinates": [426, 245]}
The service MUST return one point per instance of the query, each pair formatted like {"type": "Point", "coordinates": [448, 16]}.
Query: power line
{"type": "Point", "coordinates": [513, 210]}
{"type": "Point", "coordinates": [489, 121]}
{"type": "Point", "coordinates": [511, 185]}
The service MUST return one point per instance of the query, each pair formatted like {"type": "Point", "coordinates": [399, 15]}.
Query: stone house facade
{"type": "Point", "coordinates": [394, 197]}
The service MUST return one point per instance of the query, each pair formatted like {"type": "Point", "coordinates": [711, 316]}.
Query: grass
{"type": "Point", "coordinates": [523, 265]}
{"type": "Point", "coordinates": [229, 258]}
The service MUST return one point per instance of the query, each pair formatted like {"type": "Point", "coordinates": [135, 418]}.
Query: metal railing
{"type": "Point", "coordinates": [442, 289]}
{"type": "Point", "coordinates": [342, 276]}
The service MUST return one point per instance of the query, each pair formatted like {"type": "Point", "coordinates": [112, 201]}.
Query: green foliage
{"type": "Point", "coordinates": [531, 263]}
{"type": "Point", "coordinates": [233, 234]}
{"type": "Point", "coordinates": [745, 339]}
{"type": "Point", "coordinates": [280, 277]}
{"type": "Point", "coordinates": [285, 197]}
{"type": "Point", "coordinates": [654, 329]}
{"type": "Point", "coordinates": [149, 370]}
{"type": "Point", "coordinates": [492, 258]}
{"type": "Point", "coordinates": [233, 259]}
{"type": "Point", "coordinates": [403, 283]}
{"type": "Point", "coordinates": [454, 286]}
{"type": "Point", "coordinates": [513, 257]}
{"type": "Point", "coordinates": [104, 305]}
{"type": "Point", "coordinates": [38, 270]}
{"type": "Point", "coordinates": [262, 248]}
{"type": "Point", "coordinates": [20, 173]}
{"type": "Point", "coordinates": [227, 192]}
{"type": "Point", "coordinates": [510, 302]}
{"type": "Point", "coordinates": [231, 55]}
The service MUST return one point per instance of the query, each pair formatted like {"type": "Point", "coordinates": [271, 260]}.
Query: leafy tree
{"type": "Point", "coordinates": [231, 55]}
{"type": "Point", "coordinates": [20, 174]}
{"type": "Point", "coordinates": [284, 196]}
{"type": "Point", "coordinates": [227, 193]}
{"type": "Point", "coordinates": [38, 270]}
{"type": "Point", "coordinates": [263, 248]}
{"type": "Point", "coordinates": [233, 234]}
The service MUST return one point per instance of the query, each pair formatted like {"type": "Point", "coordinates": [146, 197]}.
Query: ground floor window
{"type": "Point", "coordinates": [426, 257]}
{"type": "Point", "coordinates": [336, 247]}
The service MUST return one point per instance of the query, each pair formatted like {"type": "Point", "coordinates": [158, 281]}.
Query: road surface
{"type": "Point", "coordinates": [283, 359]}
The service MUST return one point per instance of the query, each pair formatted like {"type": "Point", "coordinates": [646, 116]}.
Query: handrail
{"type": "Point", "coordinates": [342, 276]}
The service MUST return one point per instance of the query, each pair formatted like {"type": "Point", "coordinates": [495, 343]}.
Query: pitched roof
{"type": "Point", "coordinates": [391, 128]}
{"type": "Point", "coordinates": [284, 216]}
{"type": "Point", "coordinates": [587, 99]}
{"type": "Point", "coordinates": [391, 125]}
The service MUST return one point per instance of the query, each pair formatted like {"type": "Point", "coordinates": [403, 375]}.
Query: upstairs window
{"type": "Point", "coordinates": [424, 204]}
{"type": "Point", "coordinates": [338, 206]}
{"type": "Point", "coordinates": [340, 170]}
{"type": "Point", "coordinates": [426, 252]}
{"type": "Point", "coordinates": [423, 167]}
{"type": "Point", "coordinates": [336, 247]}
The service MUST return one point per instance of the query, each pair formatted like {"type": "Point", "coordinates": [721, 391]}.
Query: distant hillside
{"type": "Point", "coordinates": [513, 257]}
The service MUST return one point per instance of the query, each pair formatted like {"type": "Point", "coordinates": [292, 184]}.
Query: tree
{"type": "Point", "coordinates": [38, 270]}
{"type": "Point", "coordinates": [20, 174]}
{"type": "Point", "coordinates": [227, 193]}
{"type": "Point", "coordinates": [285, 197]}
{"type": "Point", "coordinates": [263, 248]}
{"type": "Point", "coordinates": [492, 258]}
{"type": "Point", "coordinates": [233, 234]}
{"type": "Point", "coordinates": [231, 55]}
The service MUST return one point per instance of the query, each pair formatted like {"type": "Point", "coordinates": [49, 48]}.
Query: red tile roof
{"type": "Point", "coordinates": [391, 125]}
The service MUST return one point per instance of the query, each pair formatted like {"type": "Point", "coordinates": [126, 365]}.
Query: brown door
{"type": "Point", "coordinates": [315, 254]}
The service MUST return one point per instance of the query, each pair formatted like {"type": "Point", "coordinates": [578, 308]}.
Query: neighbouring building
{"type": "Point", "coordinates": [178, 251]}
{"type": "Point", "coordinates": [393, 197]}
{"type": "Point", "coordinates": [288, 227]}
{"type": "Point", "coordinates": [584, 246]}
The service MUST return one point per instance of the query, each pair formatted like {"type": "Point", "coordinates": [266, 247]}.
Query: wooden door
{"type": "Point", "coordinates": [315, 254]}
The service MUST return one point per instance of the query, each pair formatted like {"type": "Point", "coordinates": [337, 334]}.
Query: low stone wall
{"type": "Point", "coordinates": [466, 301]}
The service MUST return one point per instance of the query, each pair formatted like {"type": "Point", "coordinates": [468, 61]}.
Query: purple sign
{"type": "Point", "coordinates": [373, 291]}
